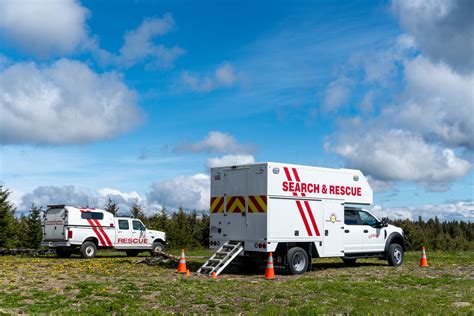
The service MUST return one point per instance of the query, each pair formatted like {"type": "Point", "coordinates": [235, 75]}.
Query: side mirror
{"type": "Point", "coordinates": [384, 222]}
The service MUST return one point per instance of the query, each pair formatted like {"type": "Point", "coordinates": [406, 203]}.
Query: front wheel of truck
{"type": "Point", "coordinates": [395, 255]}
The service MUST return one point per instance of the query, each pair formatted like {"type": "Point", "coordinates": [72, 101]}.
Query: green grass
{"type": "Point", "coordinates": [114, 283]}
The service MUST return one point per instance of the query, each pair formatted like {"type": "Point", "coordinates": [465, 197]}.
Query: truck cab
{"type": "Point", "coordinates": [367, 236]}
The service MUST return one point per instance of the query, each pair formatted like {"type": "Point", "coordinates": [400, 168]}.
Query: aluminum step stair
{"type": "Point", "coordinates": [222, 257]}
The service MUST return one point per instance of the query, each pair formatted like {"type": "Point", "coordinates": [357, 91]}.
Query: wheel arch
{"type": "Point", "coordinates": [92, 239]}
{"type": "Point", "coordinates": [395, 238]}
{"type": "Point", "coordinates": [158, 239]}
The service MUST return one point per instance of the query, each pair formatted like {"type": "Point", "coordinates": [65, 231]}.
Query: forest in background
{"type": "Point", "coordinates": [191, 229]}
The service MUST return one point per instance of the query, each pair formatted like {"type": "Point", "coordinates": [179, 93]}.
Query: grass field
{"type": "Point", "coordinates": [114, 283]}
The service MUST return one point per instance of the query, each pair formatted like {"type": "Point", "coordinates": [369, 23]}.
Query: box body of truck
{"type": "Point", "coordinates": [270, 203]}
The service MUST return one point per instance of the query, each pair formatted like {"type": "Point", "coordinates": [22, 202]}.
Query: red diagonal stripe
{"type": "Point", "coordinates": [288, 176]}
{"type": "Point", "coordinates": [101, 229]}
{"type": "Point", "coordinates": [297, 177]}
{"type": "Point", "coordinates": [230, 203]}
{"type": "Point", "coordinates": [255, 203]}
{"type": "Point", "coordinates": [96, 232]}
{"type": "Point", "coordinates": [310, 212]}
{"type": "Point", "coordinates": [219, 204]}
{"type": "Point", "coordinates": [305, 221]}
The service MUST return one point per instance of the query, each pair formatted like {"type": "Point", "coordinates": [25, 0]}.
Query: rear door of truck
{"type": "Point", "coordinates": [235, 195]}
{"type": "Point", "coordinates": [54, 224]}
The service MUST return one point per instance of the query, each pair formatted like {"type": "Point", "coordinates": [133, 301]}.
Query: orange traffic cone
{"type": "Point", "coordinates": [424, 260]}
{"type": "Point", "coordinates": [188, 274]}
{"type": "Point", "coordinates": [214, 275]}
{"type": "Point", "coordinates": [182, 263]}
{"type": "Point", "coordinates": [270, 272]}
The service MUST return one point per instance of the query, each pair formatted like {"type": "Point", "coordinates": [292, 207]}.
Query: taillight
{"type": "Point", "coordinates": [69, 234]}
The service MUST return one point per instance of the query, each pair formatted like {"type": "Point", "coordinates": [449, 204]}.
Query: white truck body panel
{"type": "Point", "coordinates": [264, 204]}
{"type": "Point", "coordinates": [67, 226]}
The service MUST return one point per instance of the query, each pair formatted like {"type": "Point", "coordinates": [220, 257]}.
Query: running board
{"type": "Point", "coordinates": [222, 257]}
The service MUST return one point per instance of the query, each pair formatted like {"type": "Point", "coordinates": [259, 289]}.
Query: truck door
{"type": "Point", "coordinates": [54, 224]}
{"type": "Point", "coordinates": [139, 234]}
{"type": "Point", "coordinates": [373, 239]}
{"type": "Point", "coordinates": [235, 194]}
{"type": "Point", "coordinates": [333, 242]}
{"type": "Point", "coordinates": [124, 234]}
{"type": "Point", "coordinates": [353, 232]}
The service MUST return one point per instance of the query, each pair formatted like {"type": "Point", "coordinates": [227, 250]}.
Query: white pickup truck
{"type": "Point", "coordinates": [84, 230]}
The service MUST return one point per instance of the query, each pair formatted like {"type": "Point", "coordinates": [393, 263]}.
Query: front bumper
{"type": "Point", "coordinates": [55, 244]}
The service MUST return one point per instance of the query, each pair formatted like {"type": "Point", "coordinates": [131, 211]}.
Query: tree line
{"type": "Point", "coordinates": [191, 229]}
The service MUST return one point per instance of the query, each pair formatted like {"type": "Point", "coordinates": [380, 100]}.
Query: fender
{"type": "Point", "coordinates": [395, 237]}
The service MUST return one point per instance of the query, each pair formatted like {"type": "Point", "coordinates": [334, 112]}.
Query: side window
{"type": "Point", "coordinates": [367, 219]}
{"type": "Point", "coordinates": [137, 225]}
{"type": "Point", "coordinates": [123, 224]}
{"type": "Point", "coordinates": [351, 217]}
{"type": "Point", "coordinates": [92, 215]}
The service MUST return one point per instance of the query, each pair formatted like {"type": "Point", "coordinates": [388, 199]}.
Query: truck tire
{"type": "Point", "coordinates": [395, 255]}
{"type": "Point", "coordinates": [63, 253]}
{"type": "Point", "coordinates": [157, 246]}
{"type": "Point", "coordinates": [132, 253]}
{"type": "Point", "coordinates": [349, 261]}
{"type": "Point", "coordinates": [88, 250]}
{"type": "Point", "coordinates": [297, 260]}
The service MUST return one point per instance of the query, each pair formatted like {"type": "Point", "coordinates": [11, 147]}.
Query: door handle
{"type": "Point", "coordinates": [366, 231]}
{"type": "Point", "coordinates": [346, 231]}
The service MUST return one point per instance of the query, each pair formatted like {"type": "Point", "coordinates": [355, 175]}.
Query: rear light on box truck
{"type": "Point", "coordinates": [69, 234]}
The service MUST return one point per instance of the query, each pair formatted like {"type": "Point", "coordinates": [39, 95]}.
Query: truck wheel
{"type": "Point", "coordinates": [62, 253]}
{"type": "Point", "coordinates": [132, 253]}
{"type": "Point", "coordinates": [297, 260]}
{"type": "Point", "coordinates": [395, 255]}
{"type": "Point", "coordinates": [157, 247]}
{"type": "Point", "coordinates": [349, 261]}
{"type": "Point", "coordinates": [88, 250]}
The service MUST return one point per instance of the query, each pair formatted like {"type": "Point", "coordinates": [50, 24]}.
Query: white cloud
{"type": "Point", "coordinates": [456, 210]}
{"type": "Point", "coordinates": [223, 76]}
{"type": "Point", "coordinates": [189, 192]}
{"type": "Point", "coordinates": [337, 94]}
{"type": "Point", "coordinates": [229, 160]}
{"type": "Point", "coordinates": [400, 155]}
{"type": "Point", "coordinates": [437, 102]}
{"type": "Point", "coordinates": [367, 103]}
{"type": "Point", "coordinates": [379, 185]}
{"type": "Point", "coordinates": [42, 28]}
{"type": "Point", "coordinates": [421, 92]}
{"type": "Point", "coordinates": [64, 103]}
{"type": "Point", "coordinates": [443, 29]}
{"type": "Point", "coordinates": [216, 142]}
{"type": "Point", "coordinates": [123, 199]}
{"type": "Point", "coordinates": [50, 195]}
{"type": "Point", "coordinates": [139, 46]}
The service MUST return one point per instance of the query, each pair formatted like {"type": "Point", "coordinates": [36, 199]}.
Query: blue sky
{"type": "Point", "coordinates": [138, 99]}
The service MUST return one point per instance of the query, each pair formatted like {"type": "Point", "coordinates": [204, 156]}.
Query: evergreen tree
{"type": "Point", "coordinates": [111, 206]}
{"type": "Point", "coordinates": [22, 230]}
{"type": "Point", "coordinates": [136, 210]}
{"type": "Point", "coordinates": [35, 232]}
{"type": "Point", "coordinates": [8, 232]}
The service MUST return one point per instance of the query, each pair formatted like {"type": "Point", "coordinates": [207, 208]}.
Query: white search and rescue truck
{"type": "Point", "coordinates": [298, 213]}
{"type": "Point", "coordinates": [84, 230]}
